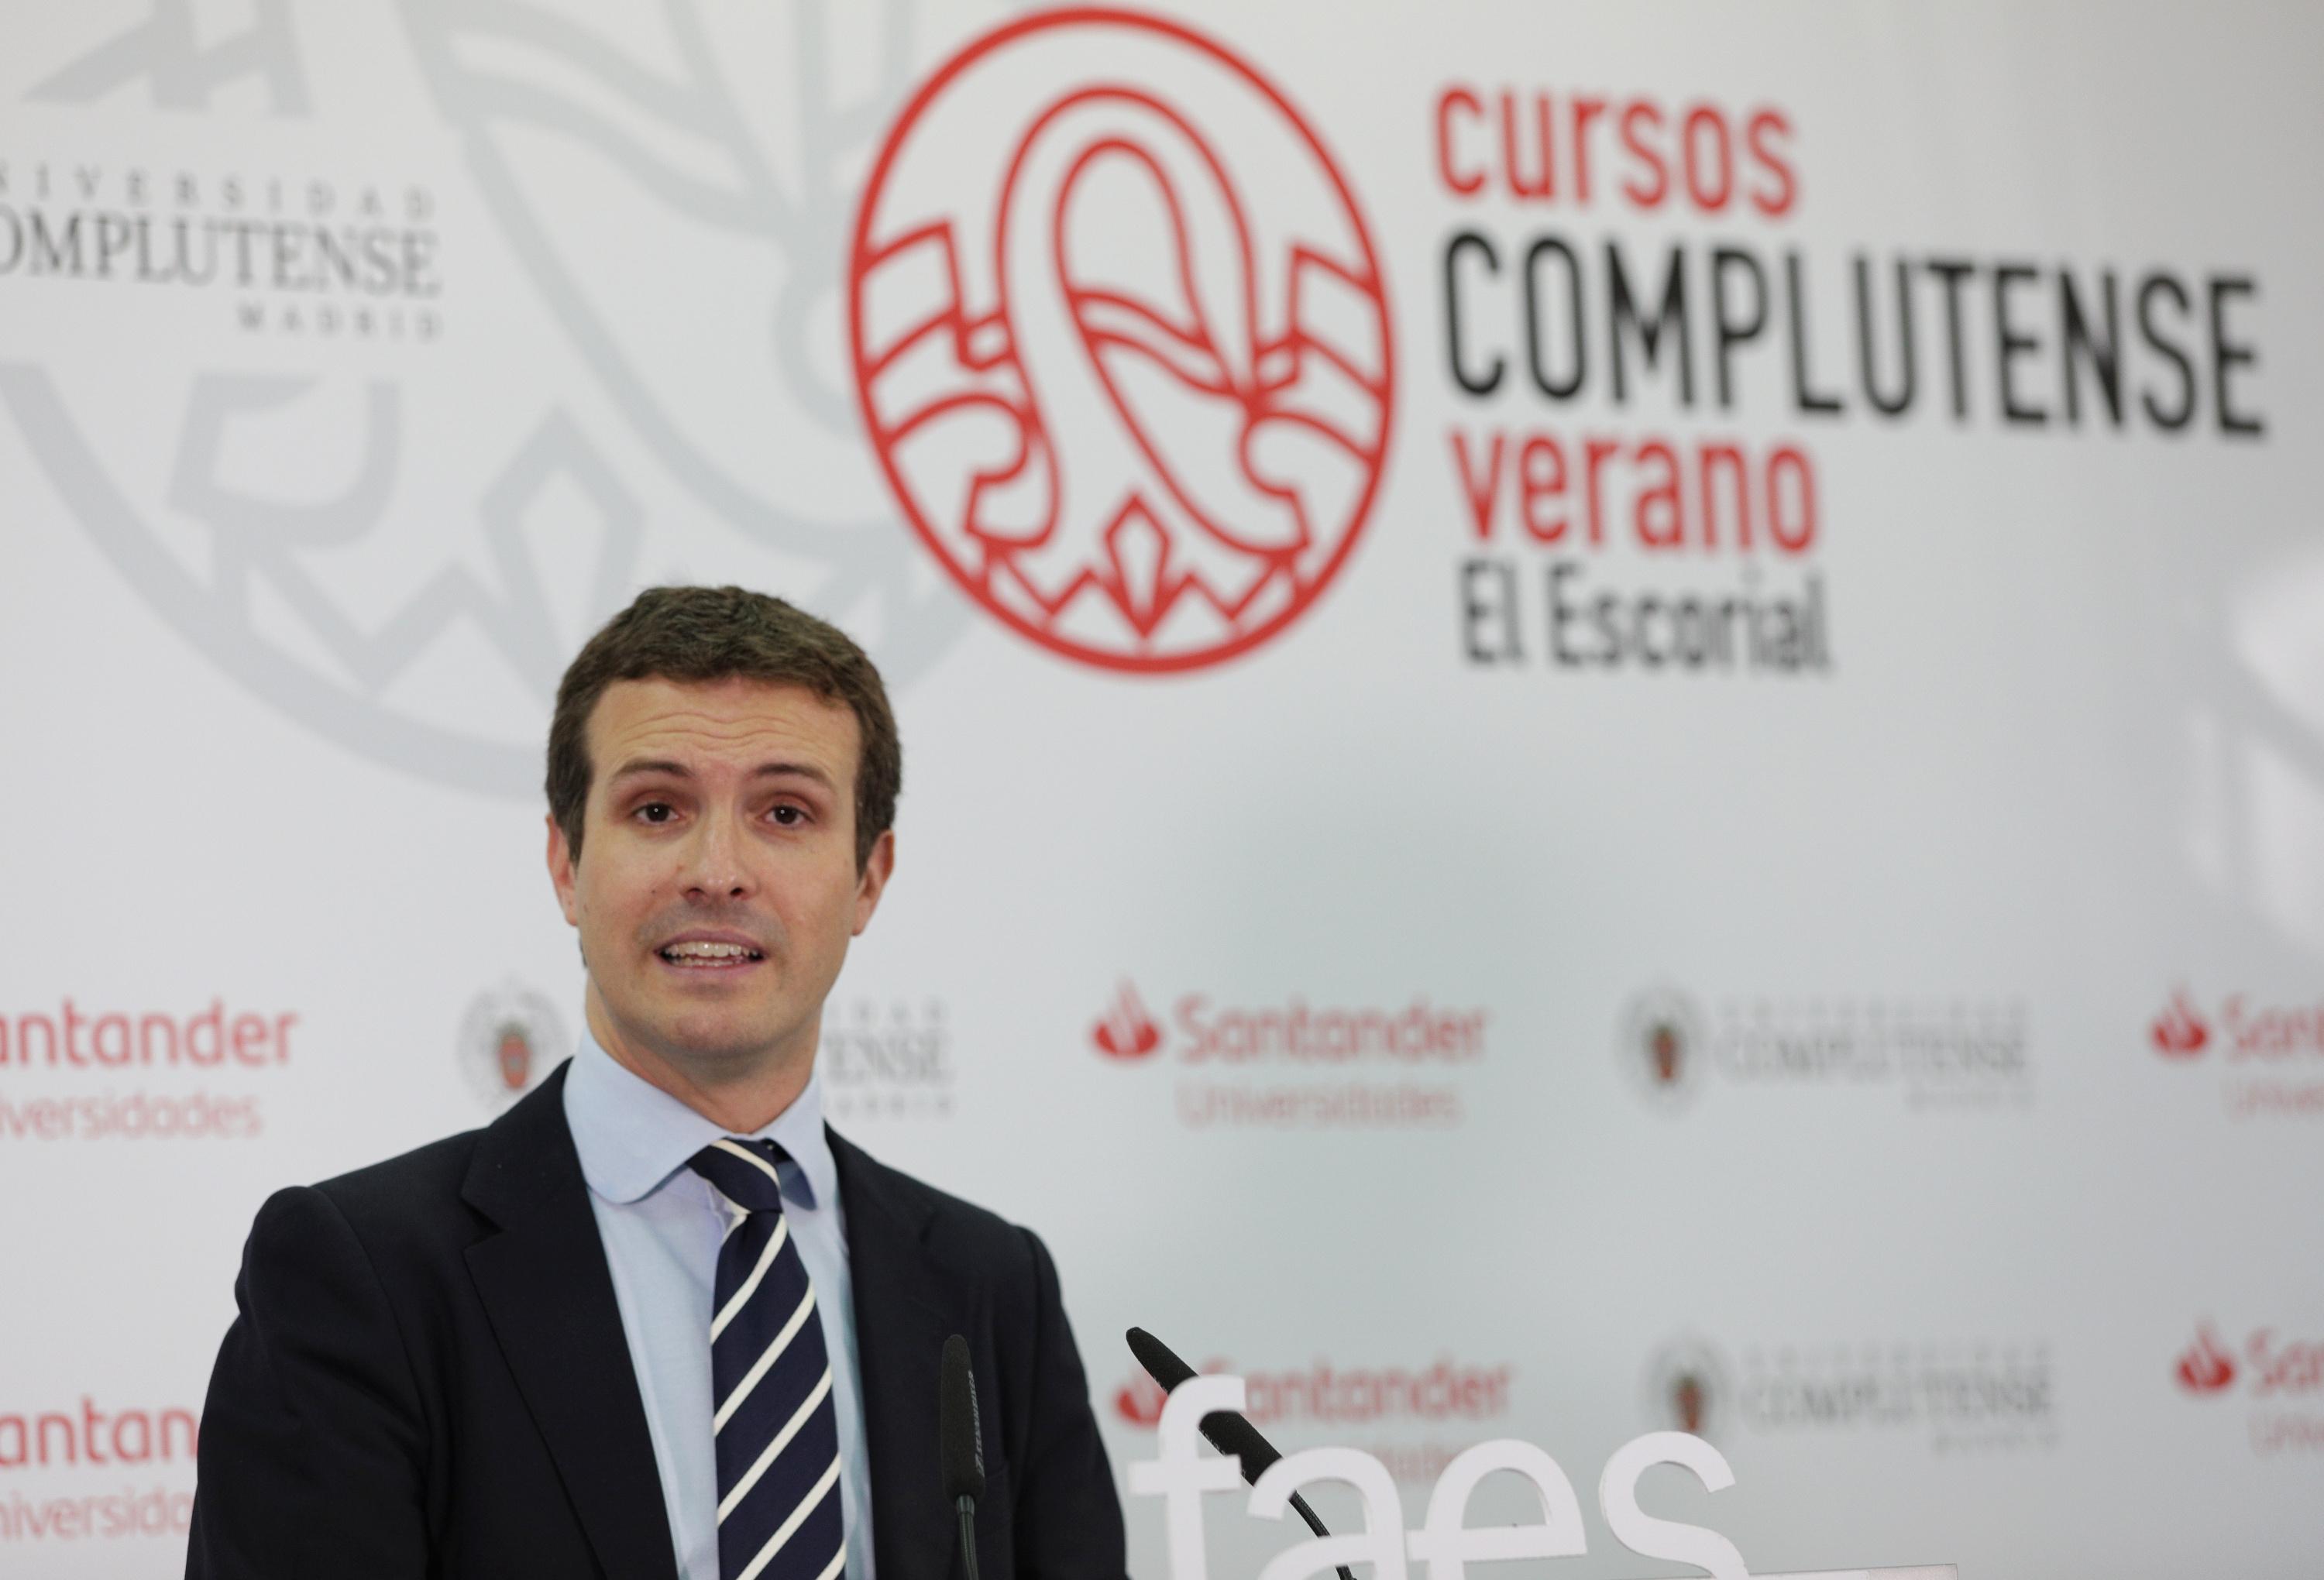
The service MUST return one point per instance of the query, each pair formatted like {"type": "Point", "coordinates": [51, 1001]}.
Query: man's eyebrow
{"type": "Point", "coordinates": [803, 770]}
{"type": "Point", "coordinates": [641, 767]}
{"type": "Point", "coordinates": [638, 768]}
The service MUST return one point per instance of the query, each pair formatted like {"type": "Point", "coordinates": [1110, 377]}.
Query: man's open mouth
{"type": "Point", "coordinates": [703, 955]}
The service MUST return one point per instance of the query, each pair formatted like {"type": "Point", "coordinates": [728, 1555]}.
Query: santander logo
{"type": "Point", "coordinates": [2179, 1032]}
{"type": "Point", "coordinates": [1441, 1390]}
{"type": "Point", "coordinates": [2272, 1365]}
{"type": "Point", "coordinates": [1127, 1032]}
{"type": "Point", "coordinates": [1139, 1400]}
{"type": "Point", "coordinates": [2205, 1367]}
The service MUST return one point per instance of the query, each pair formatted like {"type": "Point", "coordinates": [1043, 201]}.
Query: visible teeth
{"type": "Point", "coordinates": [707, 952]}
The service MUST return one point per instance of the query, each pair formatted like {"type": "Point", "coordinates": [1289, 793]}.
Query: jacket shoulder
{"type": "Point", "coordinates": [956, 1230]}
{"type": "Point", "coordinates": [501, 1172]}
{"type": "Point", "coordinates": [422, 1183]}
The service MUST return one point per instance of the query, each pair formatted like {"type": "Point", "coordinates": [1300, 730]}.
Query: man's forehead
{"type": "Point", "coordinates": [728, 721]}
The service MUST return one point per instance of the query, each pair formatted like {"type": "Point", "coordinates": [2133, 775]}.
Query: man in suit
{"type": "Point", "coordinates": [658, 1322]}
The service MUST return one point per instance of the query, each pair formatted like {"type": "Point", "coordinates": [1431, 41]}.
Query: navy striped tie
{"type": "Point", "coordinates": [778, 1431]}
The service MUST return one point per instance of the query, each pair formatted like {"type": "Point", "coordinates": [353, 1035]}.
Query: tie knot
{"type": "Point", "coordinates": [743, 1173]}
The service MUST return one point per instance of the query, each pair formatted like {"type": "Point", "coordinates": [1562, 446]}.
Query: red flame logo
{"type": "Point", "coordinates": [1126, 1031]}
{"type": "Point", "coordinates": [1139, 1400]}
{"type": "Point", "coordinates": [2179, 1032]}
{"type": "Point", "coordinates": [2205, 1367]}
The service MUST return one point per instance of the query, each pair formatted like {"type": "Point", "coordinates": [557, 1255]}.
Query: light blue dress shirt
{"type": "Point", "coordinates": [662, 1224]}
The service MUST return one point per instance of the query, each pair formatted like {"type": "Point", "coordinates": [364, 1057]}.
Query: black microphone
{"type": "Point", "coordinates": [1229, 1431]}
{"type": "Point", "coordinates": [958, 1433]}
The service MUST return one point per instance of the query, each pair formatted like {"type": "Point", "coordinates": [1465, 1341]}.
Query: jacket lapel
{"type": "Point", "coordinates": [545, 1289]}
{"type": "Point", "coordinates": [900, 1328]}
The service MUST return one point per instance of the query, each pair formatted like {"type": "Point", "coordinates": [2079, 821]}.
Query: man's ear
{"type": "Point", "coordinates": [560, 871]}
{"type": "Point", "coordinates": [873, 881]}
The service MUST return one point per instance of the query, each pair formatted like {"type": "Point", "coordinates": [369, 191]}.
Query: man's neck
{"type": "Point", "coordinates": [748, 1103]}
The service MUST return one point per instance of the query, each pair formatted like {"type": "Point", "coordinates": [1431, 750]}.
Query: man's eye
{"type": "Point", "coordinates": [656, 812]}
{"type": "Point", "coordinates": [790, 816]}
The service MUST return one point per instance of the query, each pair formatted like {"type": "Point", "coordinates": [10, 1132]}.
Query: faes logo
{"type": "Point", "coordinates": [1126, 1031]}
{"type": "Point", "coordinates": [2180, 1030]}
{"type": "Point", "coordinates": [1121, 340]}
{"type": "Point", "coordinates": [2205, 1367]}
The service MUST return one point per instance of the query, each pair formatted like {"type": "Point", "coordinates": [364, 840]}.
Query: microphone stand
{"type": "Point", "coordinates": [960, 1437]}
{"type": "Point", "coordinates": [1306, 1513]}
{"type": "Point", "coordinates": [968, 1535]}
{"type": "Point", "coordinates": [1225, 1430]}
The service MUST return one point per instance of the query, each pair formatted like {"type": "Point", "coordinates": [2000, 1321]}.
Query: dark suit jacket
{"type": "Point", "coordinates": [428, 1378]}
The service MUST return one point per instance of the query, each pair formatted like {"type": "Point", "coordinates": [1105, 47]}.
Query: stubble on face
{"type": "Point", "coordinates": [717, 888]}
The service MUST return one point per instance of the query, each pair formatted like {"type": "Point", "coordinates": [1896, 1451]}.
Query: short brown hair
{"type": "Point", "coordinates": [718, 633]}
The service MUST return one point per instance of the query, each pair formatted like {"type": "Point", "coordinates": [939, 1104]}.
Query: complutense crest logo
{"type": "Point", "coordinates": [2179, 1032]}
{"type": "Point", "coordinates": [300, 524]}
{"type": "Point", "coordinates": [1686, 1387]}
{"type": "Point", "coordinates": [1661, 1044]}
{"type": "Point", "coordinates": [1126, 1031]}
{"type": "Point", "coordinates": [1121, 340]}
{"type": "Point", "coordinates": [510, 1040]}
{"type": "Point", "coordinates": [2205, 1367]}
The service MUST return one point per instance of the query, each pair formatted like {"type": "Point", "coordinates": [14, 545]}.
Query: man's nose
{"type": "Point", "coordinates": [715, 866]}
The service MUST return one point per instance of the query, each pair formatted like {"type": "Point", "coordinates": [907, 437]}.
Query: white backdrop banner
{"type": "Point", "coordinates": [1615, 716]}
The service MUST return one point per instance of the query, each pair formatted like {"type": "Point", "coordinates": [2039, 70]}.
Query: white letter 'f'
{"type": "Point", "coordinates": [1180, 1473]}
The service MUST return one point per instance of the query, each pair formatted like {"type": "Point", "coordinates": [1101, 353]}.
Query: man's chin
{"type": "Point", "coordinates": [717, 1046]}
{"type": "Point", "coordinates": [706, 1040]}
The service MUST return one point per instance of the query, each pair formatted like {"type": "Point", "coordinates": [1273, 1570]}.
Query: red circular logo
{"type": "Point", "coordinates": [1121, 340]}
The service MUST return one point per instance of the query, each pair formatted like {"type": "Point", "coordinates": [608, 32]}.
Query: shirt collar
{"type": "Point", "coordinates": [633, 1136]}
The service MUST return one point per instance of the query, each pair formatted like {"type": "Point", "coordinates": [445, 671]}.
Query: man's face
{"type": "Point", "coordinates": [716, 887]}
